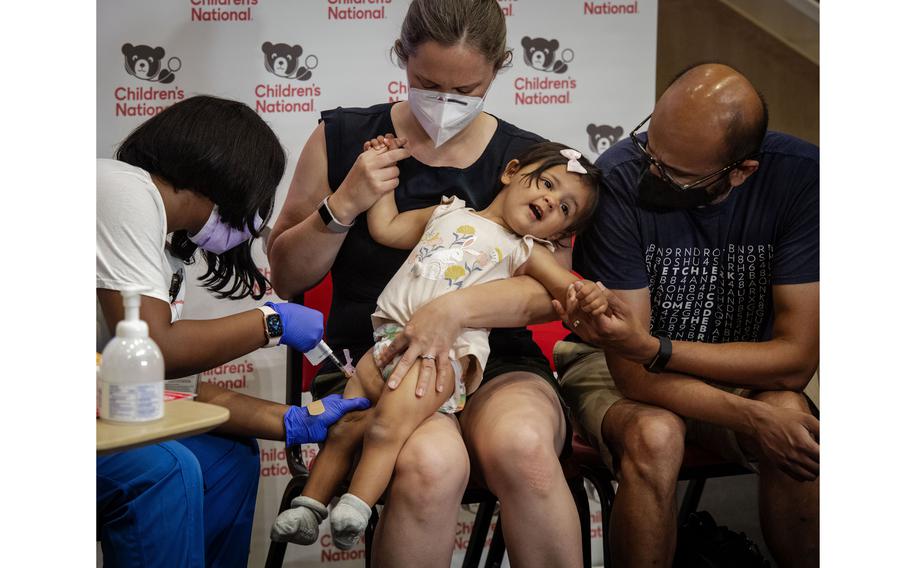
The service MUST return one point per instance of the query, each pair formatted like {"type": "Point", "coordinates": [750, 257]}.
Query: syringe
{"type": "Point", "coordinates": [321, 352]}
{"type": "Point", "coordinates": [342, 368]}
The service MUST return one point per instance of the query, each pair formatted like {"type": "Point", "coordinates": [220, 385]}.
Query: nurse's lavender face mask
{"type": "Point", "coordinates": [655, 193]}
{"type": "Point", "coordinates": [218, 237]}
{"type": "Point", "coordinates": [443, 115]}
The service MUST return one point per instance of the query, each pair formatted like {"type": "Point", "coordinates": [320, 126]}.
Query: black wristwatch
{"type": "Point", "coordinates": [659, 362]}
{"type": "Point", "coordinates": [329, 219]}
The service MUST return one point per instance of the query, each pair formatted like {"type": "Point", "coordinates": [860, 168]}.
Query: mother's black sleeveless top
{"type": "Point", "coordinates": [363, 267]}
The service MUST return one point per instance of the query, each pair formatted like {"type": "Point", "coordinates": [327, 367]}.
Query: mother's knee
{"type": "Point", "coordinates": [520, 457]}
{"type": "Point", "coordinates": [432, 470]}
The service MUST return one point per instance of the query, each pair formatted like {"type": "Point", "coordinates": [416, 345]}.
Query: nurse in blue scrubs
{"type": "Point", "coordinates": [196, 180]}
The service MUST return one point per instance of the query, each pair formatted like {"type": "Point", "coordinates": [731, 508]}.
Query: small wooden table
{"type": "Point", "coordinates": [181, 418]}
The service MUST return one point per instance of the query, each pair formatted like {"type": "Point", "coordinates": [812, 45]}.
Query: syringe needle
{"type": "Point", "coordinates": [320, 352]}
{"type": "Point", "coordinates": [347, 374]}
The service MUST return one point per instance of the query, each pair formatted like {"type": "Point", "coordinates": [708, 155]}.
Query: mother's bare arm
{"type": "Point", "coordinates": [301, 249]}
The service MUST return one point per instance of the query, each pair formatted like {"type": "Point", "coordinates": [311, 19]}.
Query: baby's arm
{"type": "Point", "coordinates": [543, 266]}
{"type": "Point", "coordinates": [393, 229]}
{"type": "Point", "coordinates": [388, 226]}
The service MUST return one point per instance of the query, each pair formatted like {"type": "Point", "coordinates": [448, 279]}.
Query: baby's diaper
{"type": "Point", "coordinates": [386, 333]}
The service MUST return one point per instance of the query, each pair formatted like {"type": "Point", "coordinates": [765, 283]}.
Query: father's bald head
{"type": "Point", "coordinates": [716, 107]}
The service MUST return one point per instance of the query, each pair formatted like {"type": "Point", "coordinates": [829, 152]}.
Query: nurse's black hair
{"type": "Point", "coordinates": [223, 150]}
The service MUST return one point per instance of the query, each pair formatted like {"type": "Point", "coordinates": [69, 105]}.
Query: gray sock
{"type": "Point", "coordinates": [349, 520]}
{"type": "Point", "coordinates": [300, 523]}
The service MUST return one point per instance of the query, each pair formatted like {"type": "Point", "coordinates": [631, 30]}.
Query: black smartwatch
{"type": "Point", "coordinates": [659, 362]}
{"type": "Point", "coordinates": [333, 224]}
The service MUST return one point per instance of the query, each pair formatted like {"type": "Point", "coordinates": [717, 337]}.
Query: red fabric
{"type": "Point", "coordinates": [318, 298]}
{"type": "Point", "coordinates": [546, 335]}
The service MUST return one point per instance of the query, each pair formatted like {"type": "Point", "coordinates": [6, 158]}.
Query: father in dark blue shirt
{"type": "Point", "coordinates": [706, 245]}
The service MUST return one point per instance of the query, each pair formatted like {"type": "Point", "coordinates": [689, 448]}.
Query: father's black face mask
{"type": "Point", "coordinates": [655, 193]}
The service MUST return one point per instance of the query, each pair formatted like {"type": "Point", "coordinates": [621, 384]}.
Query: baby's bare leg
{"type": "Point", "coordinates": [301, 522]}
{"type": "Point", "coordinates": [397, 415]}
{"type": "Point", "coordinates": [335, 458]}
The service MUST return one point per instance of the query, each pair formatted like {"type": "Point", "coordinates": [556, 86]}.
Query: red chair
{"type": "Point", "coordinates": [546, 335]}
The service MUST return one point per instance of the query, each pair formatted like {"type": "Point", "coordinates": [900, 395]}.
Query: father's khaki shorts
{"type": "Point", "coordinates": [589, 391]}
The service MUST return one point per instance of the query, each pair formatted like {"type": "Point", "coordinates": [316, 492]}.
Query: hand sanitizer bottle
{"type": "Point", "coordinates": [132, 369]}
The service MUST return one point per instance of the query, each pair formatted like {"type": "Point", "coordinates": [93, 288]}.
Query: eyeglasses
{"type": "Point", "coordinates": [663, 171]}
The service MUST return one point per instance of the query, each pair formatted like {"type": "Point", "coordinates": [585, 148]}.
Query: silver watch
{"type": "Point", "coordinates": [331, 222]}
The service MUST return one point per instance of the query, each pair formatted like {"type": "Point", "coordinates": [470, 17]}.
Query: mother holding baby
{"type": "Point", "coordinates": [513, 429]}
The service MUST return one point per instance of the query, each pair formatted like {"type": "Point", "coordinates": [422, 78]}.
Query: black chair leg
{"type": "Point", "coordinates": [607, 496]}
{"type": "Point", "coordinates": [694, 489]}
{"type": "Point", "coordinates": [604, 488]}
{"type": "Point", "coordinates": [497, 547]}
{"type": "Point", "coordinates": [368, 538]}
{"type": "Point", "coordinates": [277, 549]}
{"type": "Point", "coordinates": [276, 554]}
{"type": "Point", "coordinates": [479, 534]}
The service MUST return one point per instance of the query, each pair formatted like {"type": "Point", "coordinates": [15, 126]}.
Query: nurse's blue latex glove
{"type": "Point", "coordinates": [302, 325]}
{"type": "Point", "coordinates": [300, 427]}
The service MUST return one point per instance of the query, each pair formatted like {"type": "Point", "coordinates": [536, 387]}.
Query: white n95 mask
{"type": "Point", "coordinates": [443, 115]}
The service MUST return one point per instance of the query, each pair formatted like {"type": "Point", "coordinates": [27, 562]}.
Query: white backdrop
{"type": "Point", "coordinates": [599, 84]}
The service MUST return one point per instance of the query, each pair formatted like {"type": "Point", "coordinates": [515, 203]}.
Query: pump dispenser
{"type": "Point", "coordinates": [132, 369]}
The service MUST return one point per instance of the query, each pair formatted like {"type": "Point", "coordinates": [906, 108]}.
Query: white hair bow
{"type": "Point", "coordinates": [574, 165]}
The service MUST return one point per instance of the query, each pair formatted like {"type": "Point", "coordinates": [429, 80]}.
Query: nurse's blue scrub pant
{"type": "Point", "coordinates": [186, 503]}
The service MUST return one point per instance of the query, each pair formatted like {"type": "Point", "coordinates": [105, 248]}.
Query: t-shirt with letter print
{"type": "Point", "coordinates": [709, 269]}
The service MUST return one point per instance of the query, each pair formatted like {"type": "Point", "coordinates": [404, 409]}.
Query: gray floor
{"type": "Point", "coordinates": [733, 501]}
